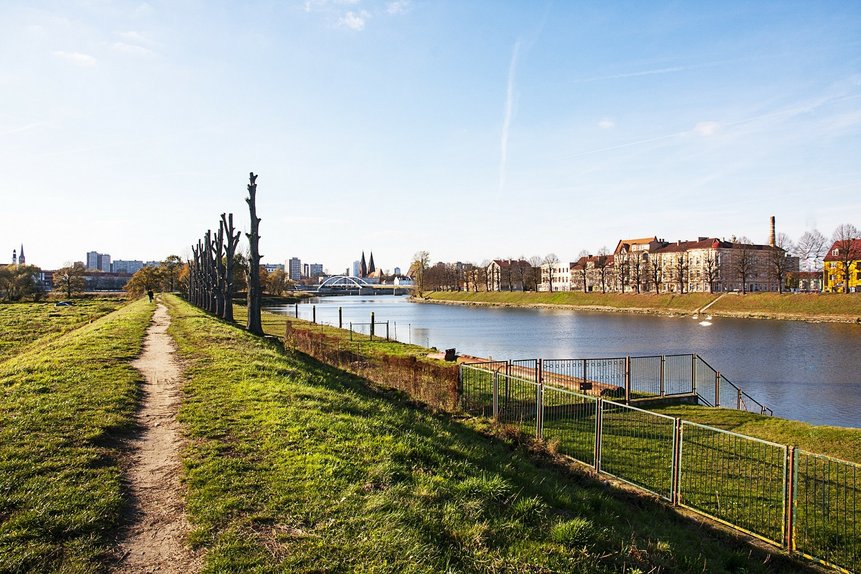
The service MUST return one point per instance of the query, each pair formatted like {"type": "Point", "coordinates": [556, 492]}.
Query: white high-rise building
{"type": "Point", "coordinates": [98, 261]}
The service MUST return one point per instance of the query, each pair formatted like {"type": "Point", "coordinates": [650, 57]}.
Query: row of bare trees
{"type": "Point", "coordinates": [210, 274]}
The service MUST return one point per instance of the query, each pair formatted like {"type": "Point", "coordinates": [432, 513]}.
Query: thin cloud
{"type": "Point", "coordinates": [706, 129]}
{"type": "Point", "coordinates": [132, 49]}
{"type": "Point", "coordinates": [19, 129]}
{"type": "Point", "coordinates": [606, 124]}
{"type": "Point", "coordinates": [76, 58]}
{"type": "Point", "coordinates": [398, 7]}
{"type": "Point", "coordinates": [354, 20]}
{"type": "Point", "coordinates": [509, 112]}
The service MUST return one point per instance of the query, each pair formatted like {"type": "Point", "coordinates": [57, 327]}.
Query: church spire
{"type": "Point", "coordinates": [363, 269]}
{"type": "Point", "coordinates": [371, 267]}
{"type": "Point", "coordinates": [21, 259]}
{"type": "Point", "coordinates": [14, 257]}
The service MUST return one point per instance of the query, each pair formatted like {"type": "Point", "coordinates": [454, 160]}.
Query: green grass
{"type": "Point", "coordinates": [837, 306]}
{"type": "Point", "coordinates": [838, 442]}
{"type": "Point", "coordinates": [63, 405]}
{"type": "Point", "coordinates": [293, 466]}
{"type": "Point", "coordinates": [24, 324]}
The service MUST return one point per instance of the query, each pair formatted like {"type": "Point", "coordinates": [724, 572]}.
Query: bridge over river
{"type": "Point", "coordinates": [345, 285]}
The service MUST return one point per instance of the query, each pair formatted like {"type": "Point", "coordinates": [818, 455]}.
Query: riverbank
{"type": "Point", "coordinates": [812, 307]}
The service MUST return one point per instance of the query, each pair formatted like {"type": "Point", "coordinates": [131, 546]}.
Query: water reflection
{"type": "Point", "coordinates": [803, 371]}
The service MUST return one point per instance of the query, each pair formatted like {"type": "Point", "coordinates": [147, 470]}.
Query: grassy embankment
{"type": "Point", "coordinates": [22, 324]}
{"type": "Point", "coordinates": [839, 442]}
{"type": "Point", "coordinates": [295, 466]}
{"type": "Point", "coordinates": [63, 404]}
{"type": "Point", "coordinates": [794, 306]}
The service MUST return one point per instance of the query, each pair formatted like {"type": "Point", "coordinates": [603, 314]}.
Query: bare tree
{"type": "Point", "coordinates": [847, 243]}
{"type": "Point", "coordinates": [254, 324]}
{"type": "Point", "coordinates": [778, 259]}
{"type": "Point", "coordinates": [551, 260]}
{"type": "Point", "coordinates": [583, 260]}
{"type": "Point", "coordinates": [656, 272]}
{"type": "Point", "coordinates": [681, 269]}
{"type": "Point", "coordinates": [743, 261]}
{"type": "Point", "coordinates": [635, 267]}
{"type": "Point", "coordinates": [711, 269]}
{"type": "Point", "coordinates": [536, 276]}
{"type": "Point", "coordinates": [621, 261]}
{"type": "Point", "coordinates": [811, 248]}
{"type": "Point", "coordinates": [602, 262]}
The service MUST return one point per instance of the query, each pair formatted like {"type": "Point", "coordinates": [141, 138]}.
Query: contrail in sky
{"type": "Point", "coordinates": [509, 110]}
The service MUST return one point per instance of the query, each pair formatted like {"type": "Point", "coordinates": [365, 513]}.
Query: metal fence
{"type": "Point", "coordinates": [803, 502]}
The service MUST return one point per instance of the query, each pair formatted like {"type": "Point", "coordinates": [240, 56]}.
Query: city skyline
{"type": "Point", "coordinates": [472, 131]}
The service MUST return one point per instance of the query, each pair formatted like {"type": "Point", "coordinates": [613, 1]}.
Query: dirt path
{"type": "Point", "coordinates": [155, 537]}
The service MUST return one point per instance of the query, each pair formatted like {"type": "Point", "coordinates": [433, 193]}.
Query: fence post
{"type": "Point", "coordinates": [789, 507]}
{"type": "Point", "coordinates": [627, 379]}
{"type": "Point", "coordinates": [663, 367]}
{"type": "Point", "coordinates": [313, 313]}
{"type": "Point", "coordinates": [717, 388]}
{"type": "Point", "coordinates": [372, 325]}
{"type": "Point", "coordinates": [351, 330]}
{"type": "Point", "coordinates": [340, 317]}
{"type": "Point", "coordinates": [297, 310]}
{"type": "Point", "coordinates": [599, 429]}
{"type": "Point", "coordinates": [738, 398]}
{"type": "Point", "coordinates": [496, 396]}
{"type": "Point", "coordinates": [387, 330]}
{"type": "Point", "coordinates": [694, 358]}
{"type": "Point", "coordinates": [540, 374]}
{"type": "Point", "coordinates": [676, 479]}
{"type": "Point", "coordinates": [539, 411]}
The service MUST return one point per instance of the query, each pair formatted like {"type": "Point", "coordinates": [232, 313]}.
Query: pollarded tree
{"type": "Point", "coordinates": [711, 269]}
{"type": "Point", "coordinates": [70, 279]}
{"type": "Point", "coordinates": [681, 268]}
{"type": "Point", "coordinates": [254, 324]}
{"type": "Point", "coordinates": [602, 262]}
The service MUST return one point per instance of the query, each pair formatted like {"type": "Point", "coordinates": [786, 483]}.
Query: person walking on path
{"type": "Point", "coordinates": [149, 294]}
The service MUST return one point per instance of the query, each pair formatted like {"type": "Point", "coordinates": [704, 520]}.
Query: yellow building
{"type": "Point", "coordinates": [841, 268]}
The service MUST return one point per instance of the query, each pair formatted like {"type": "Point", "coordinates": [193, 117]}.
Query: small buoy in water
{"type": "Point", "coordinates": [705, 323]}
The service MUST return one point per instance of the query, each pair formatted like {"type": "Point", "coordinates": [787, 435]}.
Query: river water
{"type": "Point", "coordinates": [804, 371]}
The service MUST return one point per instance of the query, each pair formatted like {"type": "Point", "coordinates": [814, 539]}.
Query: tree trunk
{"type": "Point", "coordinates": [254, 324]}
{"type": "Point", "coordinates": [232, 238]}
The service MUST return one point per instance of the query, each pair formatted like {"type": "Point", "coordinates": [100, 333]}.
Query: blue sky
{"type": "Point", "coordinates": [469, 129]}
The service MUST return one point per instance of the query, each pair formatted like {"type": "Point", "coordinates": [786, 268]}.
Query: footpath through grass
{"type": "Point", "coordinates": [293, 466]}
{"type": "Point", "coordinates": [62, 407]}
{"type": "Point", "coordinates": [22, 324]}
{"type": "Point", "coordinates": [804, 306]}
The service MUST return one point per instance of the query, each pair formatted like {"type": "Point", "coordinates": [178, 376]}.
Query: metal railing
{"type": "Point", "coordinates": [803, 502]}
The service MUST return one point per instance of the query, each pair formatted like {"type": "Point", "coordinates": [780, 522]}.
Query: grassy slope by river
{"type": "Point", "coordinates": [793, 306]}
{"type": "Point", "coordinates": [295, 466]}
{"type": "Point", "coordinates": [63, 404]}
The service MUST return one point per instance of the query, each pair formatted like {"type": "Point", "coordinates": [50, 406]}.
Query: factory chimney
{"type": "Point", "coordinates": [772, 236]}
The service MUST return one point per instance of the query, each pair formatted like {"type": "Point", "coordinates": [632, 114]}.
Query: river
{"type": "Point", "coordinates": [803, 371]}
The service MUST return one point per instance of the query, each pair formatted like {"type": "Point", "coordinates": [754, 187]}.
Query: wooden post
{"type": "Point", "coordinates": [372, 325]}
{"type": "Point", "coordinates": [313, 313]}
{"type": "Point", "coordinates": [738, 399]}
{"type": "Point", "coordinates": [297, 310]}
{"type": "Point", "coordinates": [340, 317]}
